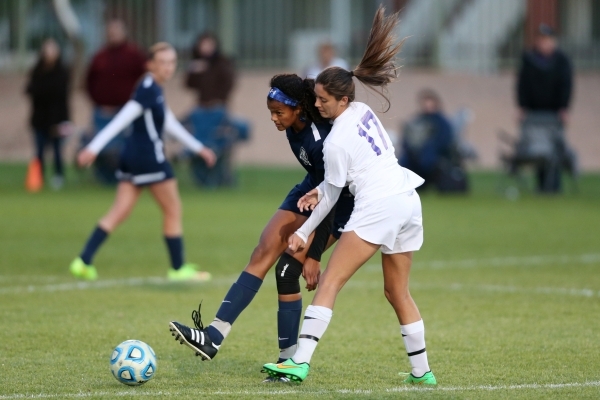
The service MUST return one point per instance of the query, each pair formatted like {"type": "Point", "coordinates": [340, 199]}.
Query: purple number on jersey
{"type": "Point", "coordinates": [365, 120]}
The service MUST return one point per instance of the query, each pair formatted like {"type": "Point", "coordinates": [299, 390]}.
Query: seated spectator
{"type": "Point", "coordinates": [428, 145]}
{"type": "Point", "coordinates": [327, 58]}
{"type": "Point", "coordinates": [48, 90]}
{"type": "Point", "coordinates": [111, 78]}
{"type": "Point", "coordinates": [212, 76]}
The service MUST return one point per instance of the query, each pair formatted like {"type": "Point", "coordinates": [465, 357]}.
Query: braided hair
{"type": "Point", "coordinates": [302, 90]}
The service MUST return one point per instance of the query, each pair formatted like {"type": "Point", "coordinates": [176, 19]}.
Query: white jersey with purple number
{"type": "Point", "coordinates": [358, 152]}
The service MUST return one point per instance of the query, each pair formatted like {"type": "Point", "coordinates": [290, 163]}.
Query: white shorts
{"type": "Point", "coordinates": [395, 223]}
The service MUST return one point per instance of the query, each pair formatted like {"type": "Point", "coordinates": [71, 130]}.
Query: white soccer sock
{"type": "Point", "coordinates": [414, 340]}
{"type": "Point", "coordinates": [316, 320]}
{"type": "Point", "coordinates": [284, 354]}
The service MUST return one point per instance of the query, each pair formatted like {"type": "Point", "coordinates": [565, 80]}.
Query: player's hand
{"type": "Point", "coordinates": [311, 272]}
{"type": "Point", "coordinates": [209, 156]}
{"type": "Point", "coordinates": [295, 243]}
{"type": "Point", "coordinates": [309, 201]}
{"type": "Point", "coordinates": [85, 158]}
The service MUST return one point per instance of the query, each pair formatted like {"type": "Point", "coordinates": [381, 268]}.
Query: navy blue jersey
{"type": "Point", "coordinates": [146, 139]}
{"type": "Point", "coordinates": [143, 159]}
{"type": "Point", "coordinates": [307, 146]}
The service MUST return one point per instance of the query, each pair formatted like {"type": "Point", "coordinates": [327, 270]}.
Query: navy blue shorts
{"type": "Point", "coordinates": [291, 201]}
{"type": "Point", "coordinates": [343, 210]}
{"type": "Point", "coordinates": [143, 171]}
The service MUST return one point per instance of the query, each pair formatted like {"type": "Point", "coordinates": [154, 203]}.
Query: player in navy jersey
{"type": "Point", "coordinates": [291, 104]}
{"type": "Point", "coordinates": [143, 164]}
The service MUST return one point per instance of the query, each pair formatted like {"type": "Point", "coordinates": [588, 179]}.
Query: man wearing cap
{"type": "Point", "coordinates": [545, 84]}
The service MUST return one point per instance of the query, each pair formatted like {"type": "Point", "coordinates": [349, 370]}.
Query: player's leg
{"type": "Point", "coordinates": [273, 242]}
{"type": "Point", "coordinates": [166, 195]}
{"type": "Point", "coordinates": [396, 270]}
{"type": "Point", "coordinates": [348, 256]}
{"type": "Point", "coordinates": [287, 276]}
{"type": "Point", "coordinates": [125, 199]}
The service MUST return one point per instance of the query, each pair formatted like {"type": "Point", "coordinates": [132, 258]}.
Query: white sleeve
{"type": "Point", "coordinates": [175, 129]}
{"type": "Point", "coordinates": [329, 195]}
{"type": "Point", "coordinates": [336, 164]}
{"type": "Point", "coordinates": [130, 111]}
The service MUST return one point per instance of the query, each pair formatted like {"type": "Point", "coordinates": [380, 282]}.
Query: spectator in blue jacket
{"type": "Point", "coordinates": [427, 138]}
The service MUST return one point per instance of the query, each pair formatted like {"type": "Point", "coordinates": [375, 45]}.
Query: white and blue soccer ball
{"type": "Point", "coordinates": [133, 362]}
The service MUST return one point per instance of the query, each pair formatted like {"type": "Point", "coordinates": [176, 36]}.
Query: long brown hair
{"type": "Point", "coordinates": [377, 67]}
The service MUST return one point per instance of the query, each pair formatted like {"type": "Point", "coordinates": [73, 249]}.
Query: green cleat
{"type": "Point", "coordinates": [288, 369]}
{"type": "Point", "coordinates": [427, 379]}
{"type": "Point", "coordinates": [188, 273]}
{"type": "Point", "coordinates": [81, 270]}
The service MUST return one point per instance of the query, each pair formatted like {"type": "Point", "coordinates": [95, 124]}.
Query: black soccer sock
{"type": "Point", "coordinates": [175, 246]}
{"type": "Point", "coordinates": [95, 240]}
{"type": "Point", "coordinates": [288, 324]}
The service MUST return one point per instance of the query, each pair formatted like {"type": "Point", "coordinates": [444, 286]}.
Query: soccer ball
{"type": "Point", "coordinates": [133, 362]}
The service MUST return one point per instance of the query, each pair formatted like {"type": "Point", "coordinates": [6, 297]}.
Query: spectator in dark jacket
{"type": "Point", "coordinates": [111, 78]}
{"type": "Point", "coordinates": [210, 73]}
{"type": "Point", "coordinates": [48, 89]}
{"type": "Point", "coordinates": [212, 76]}
{"type": "Point", "coordinates": [427, 139]}
{"type": "Point", "coordinates": [545, 84]}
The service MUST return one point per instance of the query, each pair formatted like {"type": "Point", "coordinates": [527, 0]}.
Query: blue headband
{"type": "Point", "coordinates": [281, 97]}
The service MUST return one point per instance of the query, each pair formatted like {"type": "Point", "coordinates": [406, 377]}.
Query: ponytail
{"type": "Point", "coordinates": [376, 68]}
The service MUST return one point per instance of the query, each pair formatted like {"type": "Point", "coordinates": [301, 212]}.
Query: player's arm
{"type": "Point", "coordinates": [325, 195]}
{"type": "Point", "coordinates": [130, 111]}
{"type": "Point", "coordinates": [319, 242]}
{"type": "Point", "coordinates": [174, 128]}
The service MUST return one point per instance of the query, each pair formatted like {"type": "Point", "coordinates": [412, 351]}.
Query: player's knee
{"type": "Point", "coordinates": [287, 274]}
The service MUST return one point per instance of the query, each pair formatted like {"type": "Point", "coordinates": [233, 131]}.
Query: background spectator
{"type": "Point", "coordinates": [545, 84]}
{"type": "Point", "coordinates": [327, 58]}
{"type": "Point", "coordinates": [428, 140]}
{"type": "Point", "coordinates": [212, 76]}
{"type": "Point", "coordinates": [111, 77]}
{"type": "Point", "coordinates": [48, 89]}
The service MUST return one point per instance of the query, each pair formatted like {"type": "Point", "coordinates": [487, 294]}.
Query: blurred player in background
{"type": "Point", "coordinates": [327, 58]}
{"type": "Point", "coordinates": [291, 104]}
{"type": "Point", "coordinates": [48, 90]}
{"type": "Point", "coordinates": [143, 164]}
{"type": "Point", "coordinates": [111, 77]}
{"type": "Point", "coordinates": [387, 215]}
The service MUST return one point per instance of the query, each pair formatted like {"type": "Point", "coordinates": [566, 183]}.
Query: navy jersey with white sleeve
{"type": "Point", "coordinates": [143, 160]}
{"type": "Point", "coordinates": [359, 153]}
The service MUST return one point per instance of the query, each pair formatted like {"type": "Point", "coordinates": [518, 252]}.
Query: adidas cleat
{"type": "Point", "coordinates": [289, 369]}
{"type": "Point", "coordinates": [81, 270]}
{"type": "Point", "coordinates": [196, 339]}
{"type": "Point", "coordinates": [427, 379]}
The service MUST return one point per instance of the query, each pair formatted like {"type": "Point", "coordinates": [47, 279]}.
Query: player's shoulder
{"type": "Point", "coordinates": [146, 83]}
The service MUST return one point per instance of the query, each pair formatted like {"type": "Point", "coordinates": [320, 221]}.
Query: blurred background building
{"type": "Point", "coordinates": [479, 35]}
{"type": "Point", "coordinates": [468, 50]}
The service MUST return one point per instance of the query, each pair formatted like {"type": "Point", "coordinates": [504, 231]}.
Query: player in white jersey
{"type": "Point", "coordinates": [143, 164]}
{"type": "Point", "coordinates": [387, 213]}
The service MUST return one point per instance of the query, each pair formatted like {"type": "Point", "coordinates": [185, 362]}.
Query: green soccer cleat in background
{"type": "Point", "coordinates": [188, 273]}
{"type": "Point", "coordinates": [81, 270]}
{"type": "Point", "coordinates": [288, 369]}
{"type": "Point", "coordinates": [428, 379]}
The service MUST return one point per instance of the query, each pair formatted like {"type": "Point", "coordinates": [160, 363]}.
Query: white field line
{"type": "Point", "coordinates": [467, 263]}
{"type": "Point", "coordinates": [132, 393]}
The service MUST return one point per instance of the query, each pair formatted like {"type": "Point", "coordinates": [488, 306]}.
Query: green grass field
{"type": "Point", "coordinates": [509, 291]}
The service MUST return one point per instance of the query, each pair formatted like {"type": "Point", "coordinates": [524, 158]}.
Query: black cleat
{"type": "Point", "coordinates": [196, 339]}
